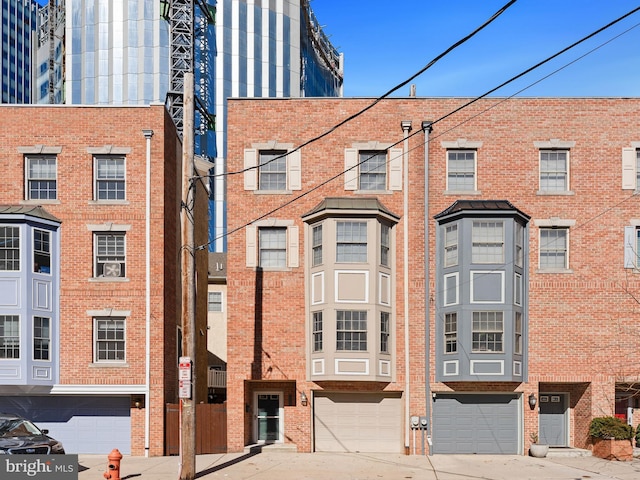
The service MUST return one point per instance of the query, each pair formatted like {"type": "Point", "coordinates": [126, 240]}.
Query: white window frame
{"type": "Point", "coordinates": [555, 223]}
{"type": "Point", "coordinates": [385, 332]}
{"type": "Point", "coordinates": [44, 339]}
{"type": "Point", "coordinates": [117, 268]}
{"type": "Point", "coordinates": [293, 168]}
{"type": "Point", "coordinates": [362, 333]}
{"type": "Point", "coordinates": [50, 176]}
{"type": "Point", "coordinates": [450, 336]}
{"type": "Point", "coordinates": [451, 244]}
{"type": "Point", "coordinates": [487, 331]}
{"type": "Point", "coordinates": [121, 341]}
{"type": "Point", "coordinates": [458, 171]}
{"type": "Point", "coordinates": [292, 247]}
{"type": "Point", "coordinates": [631, 167]}
{"type": "Point", "coordinates": [317, 331]}
{"type": "Point", "coordinates": [517, 333]}
{"type": "Point", "coordinates": [42, 253]}
{"type": "Point", "coordinates": [16, 337]}
{"type": "Point", "coordinates": [101, 179]}
{"type": "Point", "coordinates": [211, 302]}
{"type": "Point", "coordinates": [344, 256]}
{"type": "Point", "coordinates": [557, 146]}
{"type": "Point", "coordinates": [385, 245]}
{"type": "Point", "coordinates": [356, 154]}
{"type": "Point", "coordinates": [272, 170]}
{"type": "Point", "coordinates": [487, 241]}
{"type": "Point", "coordinates": [316, 245]}
{"type": "Point", "coordinates": [9, 252]}
{"type": "Point", "coordinates": [545, 249]}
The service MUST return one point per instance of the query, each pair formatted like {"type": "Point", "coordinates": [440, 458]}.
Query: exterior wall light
{"type": "Point", "coordinates": [532, 401]}
{"type": "Point", "coordinates": [303, 399]}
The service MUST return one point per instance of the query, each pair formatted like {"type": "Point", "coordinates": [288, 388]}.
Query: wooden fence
{"type": "Point", "coordinates": [211, 428]}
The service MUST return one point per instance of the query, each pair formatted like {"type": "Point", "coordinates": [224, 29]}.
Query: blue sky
{"type": "Point", "coordinates": [385, 42]}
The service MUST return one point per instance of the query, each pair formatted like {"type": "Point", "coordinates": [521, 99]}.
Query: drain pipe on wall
{"type": "Point", "coordinates": [147, 293]}
{"type": "Point", "coordinates": [406, 128]}
{"type": "Point", "coordinates": [426, 128]}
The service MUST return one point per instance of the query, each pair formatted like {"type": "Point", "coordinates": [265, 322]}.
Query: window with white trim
{"type": "Point", "coordinates": [272, 247]}
{"type": "Point", "coordinates": [373, 166]}
{"type": "Point", "coordinates": [351, 330]}
{"type": "Point", "coordinates": [519, 244]}
{"type": "Point", "coordinates": [351, 242]}
{"type": "Point", "coordinates": [554, 244]}
{"type": "Point", "coordinates": [384, 332]}
{"type": "Point", "coordinates": [9, 248]}
{"type": "Point", "coordinates": [487, 239]}
{"type": "Point", "coordinates": [451, 245]}
{"type": "Point", "coordinates": [214, 303]}
{"type": "Point", "coordinates": [317, 332]}
{"type": "Point", "coordinates": [461, 170]}
{"type": "Point", "coordinates": [554, 170]}
{"type": "Point", "coordinates": [384, 244]}
{"type": "Point", "coordinates": [41, 338]}
{"type": "Point", "coordinates": [110, 178]}
{"type": "Point", "coordinates": [632, 246]}
{"type": "Point", "coordinates": [517, 331]}
{"type": "Point", "coordinates": [487, 332]}
{"type": "Point", "coordinates": [9, 336]}
{"type": "Point", "coordinates": [109, 339]}
{"type": "Point", "coordinates": [42, 177]}
{"type": "Point", "coordinates": [450, 332]}
{"type": "Point", "coordinates": [109, 254]}
{"type": "Point", "coordinates": [272, 244]}
{"type": "Point", "coordinates": [272, 170]}
{"type": "Point", "coordinates": [316, 245]}
{"type": "Point", "coordinates": [41, 251]}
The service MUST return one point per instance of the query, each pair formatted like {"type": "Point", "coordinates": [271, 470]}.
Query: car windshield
{"type": "Point", "coordinates": [18, 428]}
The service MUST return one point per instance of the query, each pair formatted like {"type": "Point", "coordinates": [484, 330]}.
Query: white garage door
{"type": "Point", "coordinates": [358, 422]}
{"type": "Point", "coordinates": [84, 425]}
{"type": "Point", "coordinates": [476, 423]}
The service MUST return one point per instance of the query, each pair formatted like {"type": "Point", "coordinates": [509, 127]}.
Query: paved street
{"type": "Point", "coordinates": [274, 465]}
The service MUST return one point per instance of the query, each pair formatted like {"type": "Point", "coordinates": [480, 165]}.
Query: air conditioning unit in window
{"type": "Point", "coordinates": [111, 269]}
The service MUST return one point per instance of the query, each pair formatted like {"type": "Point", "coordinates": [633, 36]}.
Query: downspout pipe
{"type": "Point", "coordinates": [147, 293]}
{"type": "Point", "coordinates": [406, 128]}
{"type": "Point", "coordinates": [426, 128]}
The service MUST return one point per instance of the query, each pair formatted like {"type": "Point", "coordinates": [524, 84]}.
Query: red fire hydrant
{"type": "Point", "coordinates": [113, 467]}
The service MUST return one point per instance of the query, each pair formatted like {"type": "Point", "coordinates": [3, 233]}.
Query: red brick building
{"type": "Point", "coordinates": [89, 273]}
{"type": "Point", "coordinates": [347, 331]}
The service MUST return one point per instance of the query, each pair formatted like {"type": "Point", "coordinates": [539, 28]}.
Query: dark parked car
{"type": "Point", "coordinates": [19, 436]}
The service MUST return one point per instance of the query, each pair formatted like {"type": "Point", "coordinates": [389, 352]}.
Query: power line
{"type": "Point", "coordinates": [458, 109]}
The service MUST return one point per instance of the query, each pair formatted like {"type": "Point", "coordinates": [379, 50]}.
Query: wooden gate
{"type": "Point", "coordinates": [211, 428]}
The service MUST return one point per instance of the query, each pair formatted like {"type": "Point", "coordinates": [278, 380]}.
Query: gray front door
{"type": "Point", "coordinates": [553, 419]}
{"type": "Point", "coordinates": [268, 417]}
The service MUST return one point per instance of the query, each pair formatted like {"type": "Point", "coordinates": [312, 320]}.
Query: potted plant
{"type": "Point", "coordinates": [538, 450]}
{"type": "Point", "coordinates": [611, 438]}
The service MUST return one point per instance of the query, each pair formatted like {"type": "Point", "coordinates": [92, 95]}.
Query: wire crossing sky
{"type": "Point", "coordinates": [385, 43]}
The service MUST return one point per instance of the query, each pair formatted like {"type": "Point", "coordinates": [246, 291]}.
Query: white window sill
{"type": "Point", "coordinates": [272, 192]}
{"type": "Point", "coordinates": [109, 279]}
{"type": "Point", "coordinates": [108, 202]}
{"type": "Point", "coordinates": [109, 365]}
{"type": "Point", "coordinates": [554, 192]}
{"type": "Point", "coordinates": [462, 192]}
{"type": "Point", "coordinates": [554, 270]}
{"type": "Point", "coordinates": [374, 192]}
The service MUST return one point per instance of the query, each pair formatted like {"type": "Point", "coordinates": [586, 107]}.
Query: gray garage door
{"type": "Point", "coordinates": [94, 425]}
{"type": "Point", "coordinates": [476, 423]}
{"type": "Point", "coordinates": [358, 422]}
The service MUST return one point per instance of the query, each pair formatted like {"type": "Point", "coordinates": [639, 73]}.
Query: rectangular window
{"type": "Point", "coordinates": [110, 255]}
{"type": "Point", "coordinates": [487, 242]}
{"type": "Point", "coordinates": [384, 332]}
{"type": "Point", "coordinates": [517, 341]}
{"type": "Point", "coordinates": [215, 302]}
{"type": "Point", "coordinates": [273, 170]}
{"type": "Point", "coordinates": [41, 251]}
{"type": "Point", "coordinates": [41, 338]}
{"type": "Point", "coordinates": [451, 246]}
{"type": "Point", "coordinates": [110, 178]}
{"type": "Point", "coordinates": [373, 170]}
{"type": "Point", "coordinates": [351, 330]}
{"type": "Point", "coordinates": [273, 247]}
{"type": "Point", "coordinates": [554, 170]}
{"type": "Point", "coordinates": [553, 248]}
{"type": "Point", "coordinates": [41, 177]}
{"type": "Point", "coordinates": [519, 254]}
{"type": "Point", "coordinates": [351, 242]}
{"type": "Point", "coordinates": [109, 339]}
{"type": "Point", "coordinates": [461, 170]}
{"type": "Point", "coordinates": [316, 246]}
{"type": "Point", "coordinates": [9, 336]}
{"type": "Point", "coordinates": [451, 333]}
{"type": "Point", "coordinates": [317, 331]}
{"type": "Point", "coordinates": [9, 248]}
{"type": "Point", "coordinates": [487, 332]}
{"type": "Point", "coordinates": [384, 245]}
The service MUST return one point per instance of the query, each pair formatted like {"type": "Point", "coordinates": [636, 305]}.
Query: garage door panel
{"type": "Point", "coordinates": [467, 424]}
{"type": "Point", "coordinates": [347, 422]}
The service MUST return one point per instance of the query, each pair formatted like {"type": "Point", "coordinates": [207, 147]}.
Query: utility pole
{"type": "Point", "coordinates": [188, 262]}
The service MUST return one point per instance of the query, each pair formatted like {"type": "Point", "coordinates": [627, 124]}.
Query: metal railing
{"type": "Point", "coordinates": [217, 379]}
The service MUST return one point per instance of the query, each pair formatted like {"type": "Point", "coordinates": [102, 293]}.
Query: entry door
{"type": "Point", "coordinates": [269, 421]}
{"type": "Point", "coordinates": [553, 419]}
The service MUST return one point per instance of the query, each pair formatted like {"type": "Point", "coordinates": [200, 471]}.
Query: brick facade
{"type": "Point", "coordinates": [582, 330]}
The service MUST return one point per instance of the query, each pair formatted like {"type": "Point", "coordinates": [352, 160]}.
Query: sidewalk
{"type": "Point", "coordinates": [274, 465]}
